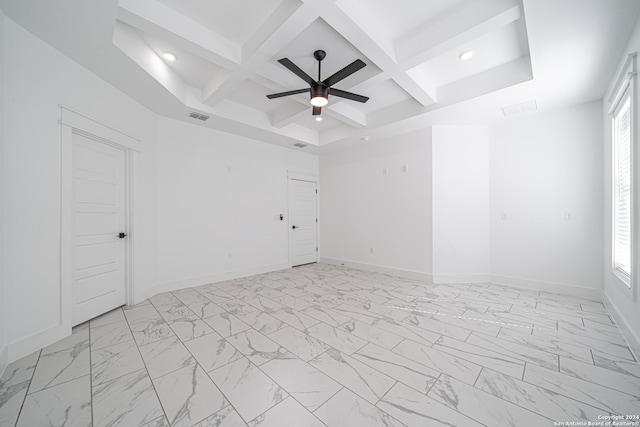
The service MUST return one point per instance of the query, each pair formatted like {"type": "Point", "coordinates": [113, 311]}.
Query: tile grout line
{"type": "Point", "coordinates": [26, 394]}
{"type": "Point", "coordinates": [259, 367]}
{"type": "Point", "coordinates": [352, 286]}
{"type": "Point", "coordinates": [147, 370]}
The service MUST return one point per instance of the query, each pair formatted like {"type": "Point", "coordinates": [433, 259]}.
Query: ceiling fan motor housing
{"type": "Point", "coordinates": [320, 89]}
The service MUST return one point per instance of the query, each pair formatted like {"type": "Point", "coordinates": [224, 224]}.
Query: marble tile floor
{"type": "Point", "coordinates": [321, 345]}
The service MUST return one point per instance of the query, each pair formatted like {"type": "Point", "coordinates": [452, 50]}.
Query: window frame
{"type": "Point", "coordinates": [626, 96]}
{"type": "Point", "coordinates": [625, 85]}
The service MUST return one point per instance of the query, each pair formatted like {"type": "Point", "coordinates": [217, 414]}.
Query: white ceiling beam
{"type": "Point", "coordinates": [287, 115]}
{"type": "Point", "coordinates": [222, 85]}
{"type": "Point", "coordinates": [157, 19]}
{"type": "Point", "coordinates": [347, 18]}
{"type": "Point", "coordinates": [345, 112]}
{"type": "Point", "coordinates": [289, 20]}
{"type": "Point", "coordinates": [261, 38]}
{"type": "Point", "coordinates": [470, 23]}
{"type": "Point", "coordinates": [127, 39]}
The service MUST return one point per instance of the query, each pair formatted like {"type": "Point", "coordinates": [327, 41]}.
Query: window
{"type": "Point", "coordinates": [622, 187]}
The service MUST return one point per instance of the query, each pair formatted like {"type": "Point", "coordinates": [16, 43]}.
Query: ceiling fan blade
{"type": "Point", "coordinates": [317, 111]}
{"type": "Point", "coordinates": [345, 72]}
{"type": "Point", "coordinates": [291, 92]}
{"type": "Point", "coordinates": [297, 71]}
{"type": "Point", "coordinates": [348, 95]}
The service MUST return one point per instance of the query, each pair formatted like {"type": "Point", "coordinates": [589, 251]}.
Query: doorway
{"type": "Point", "coordinates": [303, 196]}
{"type": "Point", "coordinates": [98, 228]}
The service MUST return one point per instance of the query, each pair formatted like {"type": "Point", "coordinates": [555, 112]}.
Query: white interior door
{"type": "Point", "coordinates": [304, 222]}
{"type": "Point", "coordinates": [98, 218]}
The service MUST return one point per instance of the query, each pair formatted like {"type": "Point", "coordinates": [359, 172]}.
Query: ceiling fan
{"type": "Point", "coordinates": [320, 90]}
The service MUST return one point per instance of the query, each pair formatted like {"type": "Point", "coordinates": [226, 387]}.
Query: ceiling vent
{"type": "Point", "coordinates": [299, 145]}
{"type": "Point", "coordinates": [523, 107]}
{"type": "Point", "coordinates": [199, 116]}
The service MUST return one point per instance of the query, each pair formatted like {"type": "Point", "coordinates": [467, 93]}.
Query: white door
{"type": "Point", "coordinates": [98, 210]}
{"type": "Point", "coordinates": [304, 222]}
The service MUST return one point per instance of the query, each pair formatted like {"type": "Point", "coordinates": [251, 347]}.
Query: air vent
{"type": "Point", "coordinates": [523, 107]}
{"type": "Point", "coordinates": [299, 145]}
{"type": "Point", "coordinates": [199, 116]}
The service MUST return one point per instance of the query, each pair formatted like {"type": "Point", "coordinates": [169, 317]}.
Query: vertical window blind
{"type": "Point", "coordinates": [622, 186]}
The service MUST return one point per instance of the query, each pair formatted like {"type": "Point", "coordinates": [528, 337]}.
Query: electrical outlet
{"type": "Point", "coordinates": [504, 216]}
{"type": "Point", "coordinates": [568, 216]}
{"type": "Point", "coordinates": [385, 171]}
{"type": "Point", "coordinates": [371, 251]}
{"type": "Point", "coordinates": [229, 255]}
{"type": "Point", "coordinates": [405, 168]}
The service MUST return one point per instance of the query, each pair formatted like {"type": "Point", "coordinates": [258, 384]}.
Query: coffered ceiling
{"type": "Point", "coordinates": [553, 52]}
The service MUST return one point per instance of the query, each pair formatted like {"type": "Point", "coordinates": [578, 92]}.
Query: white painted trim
{"type": "Point", "coordinates": [560, 288]}
{"type": "Point", "coordinates": [539, 285]}
{"type": "Point", "coordinates": [35, 342]}
{"type": "Point", "coordinates": [298, 176]}
{"type": "Point", "coordinates": [407, 274]}
{"type": "Point", "coordinates": [461, 278]}
{"type": "Point", "coordinates": [627, 332]}
{"type": "Point", "coordinates": [303, 176]}
{"type": "Point", "coordinates": [96, 128]}
{"type": "Point", "coordinates": [72, 122]}
{"type": "Point", "coordinates": [66, 209]}
{"type": "Point", "coordinates": [146, 293]}
{"type": "Point", "coordinates": [626, 73]}
{"type": "Point", "coordinates": [130, 296]}
{"type": "Point", "coordinates": [229, 275]}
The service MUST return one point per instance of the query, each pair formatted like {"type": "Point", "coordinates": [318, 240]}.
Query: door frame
{"type": "Point", "coordinates": [297, 176]}
{"type": "Point", "coordinates": [71, 123]}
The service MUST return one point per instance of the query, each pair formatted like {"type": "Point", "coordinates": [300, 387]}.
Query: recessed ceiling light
{"type": "Point", "coordinates": [169, 56]}
{"type": "Point", "coordinates": [466, 55]}
{"type": "Point", "coordinates": [365, 138]}
{"type": "Point", "coordinates": [318, 119]}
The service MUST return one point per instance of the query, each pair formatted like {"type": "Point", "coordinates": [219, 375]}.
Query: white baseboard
{"type": "Point", "coordinates": [145, 293]}
{"type": "Point", "coordinates": [407, 274]}
{"type": "Point", "coordinates": [35, 342]}
{"type": "Point", "coordinates": [560, 288]}
{"type": "Point", "coordinates": [461, 278]}
{"type": "Point", "coordinates": [221, 277]}
{"type": "Point", "coordinates": [627, 332]}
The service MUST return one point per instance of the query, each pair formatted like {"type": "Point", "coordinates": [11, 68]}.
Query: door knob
{"type": "Point", "coordinates": [294, 227]}
{"type": "Point", "coordinates": [122, 235]}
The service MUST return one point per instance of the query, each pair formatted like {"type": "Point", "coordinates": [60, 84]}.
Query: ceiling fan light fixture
{"type": "Point", "coordinates": [319, 101]}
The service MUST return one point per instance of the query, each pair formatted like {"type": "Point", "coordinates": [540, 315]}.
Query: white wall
{"type": "Point", "coordinates": [221, 194]}
{"type": "Point", "coordinates": [3, 322]}
{"type": "Point", "coordinates": [38, 79]}
{"type": "Point", "coordinates": [624, 303]}
{"type": "Point", "coordinates": [542, 167]}
{"type": "Point", "coordinates": [460, 166]}
{"type": "Point", "coordinates": [362, 208]}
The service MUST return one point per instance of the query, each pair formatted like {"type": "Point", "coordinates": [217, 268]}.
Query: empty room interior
{"type": "Point", "coordinates": [307, 213]}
